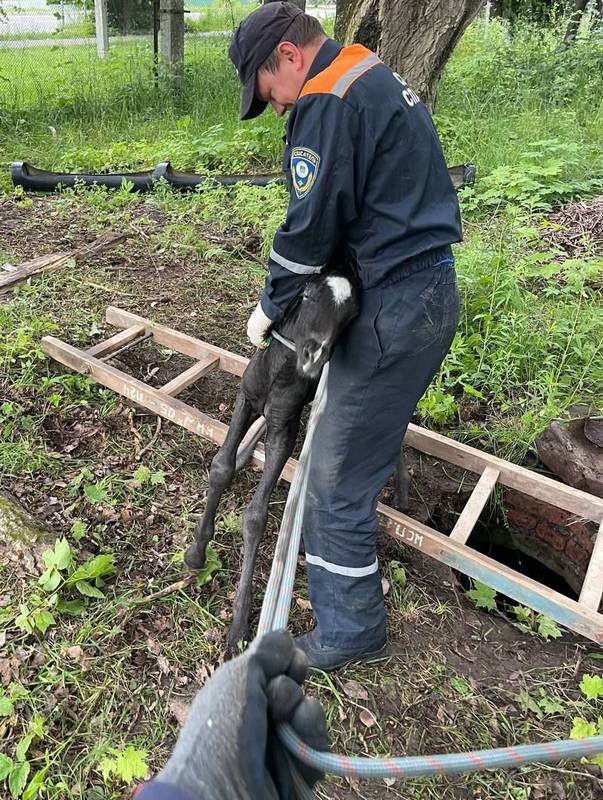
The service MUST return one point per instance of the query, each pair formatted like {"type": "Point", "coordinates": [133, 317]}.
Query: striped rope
{"type": "Point", "coordinates": [275, 615]}
{"type": "Point", "coordinates": [445, 764]}
{"type": "Point", "coordinates": [277, 600]}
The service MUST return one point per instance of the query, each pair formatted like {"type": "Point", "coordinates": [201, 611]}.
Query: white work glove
{"type": "Point", "coordinates": [257, 327]}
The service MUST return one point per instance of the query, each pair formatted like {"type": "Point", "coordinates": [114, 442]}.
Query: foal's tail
{"type": "Point", "coordinates": [247, 446]}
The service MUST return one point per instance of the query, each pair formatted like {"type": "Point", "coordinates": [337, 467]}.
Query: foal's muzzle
{"type": "Point", "coordinates": [312, 356]}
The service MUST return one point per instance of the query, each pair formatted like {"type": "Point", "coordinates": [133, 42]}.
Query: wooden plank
{"type": "Point", "coordinates": [55, 260]}
{"type": "Point", "coordinates": [526, 591]}
{"type": "Point", "coordinates": [190, 375]}
{"type": "Point", "coordinates": [567, 612]}
{"type": "Point", "coordinates": [115, 342]}
{"type": "Point", "coordinates": [592, 588]}
{"type": "Point", "coordinates": [180, 342]}
{"type": "Point", "coordinates": [149, 398]}
{"type": "Point", "coordinates": [523, 480]}
{"type": "Point", "coordinates": [474, 506]}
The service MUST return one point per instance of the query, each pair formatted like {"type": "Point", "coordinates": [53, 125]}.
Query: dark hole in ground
{"type": "Point", "coordinates": [495, 542]}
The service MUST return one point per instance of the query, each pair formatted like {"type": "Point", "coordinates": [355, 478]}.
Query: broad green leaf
{"type": "Point", "coordinates": [127, 765]}
{"type": "Point", "coordinates": [36, 726]}
{"type": "Point", "coordinates": [157, 478]}
{"type": "Point", "coordinates": [547, 628]}
{"type": "Point", "coordinates": [6, 707]}
{"type": "Point", "coordinates": [97, 567]}
{"type": "Point", "coordinates": [17, 779]}
{"type": "Point", "coordinates": [142, 474]}
{"type": "Point", "coordinates": [73, 607]}
{"type": "Point", "coordinates": [78, 529]}
{"type": "Point", "coordinates": [96, 494]}
{"type": "Point", "coordinates": [398, 573]}
{"type": "Point", "coordinates": [49, 579]}
{"type": "Point", "coordinates": [212, 564]}
{"type": "Point", "coordinates": [42, 620]}
{"type": "Point", "coordinates": [522, 613]}
{"type": "Point", "coordinates": [88, 590]}
{"type": "Point", "coordinates": [483, 596]}
{"type": "Point", "coordinates": [461, 686]}
{"type": "Point", "coordinates": [62, 554]}
{"type": "Point", "coordinates": [23, 746]}
{"type": "Point", "coordinates": [132, 764]}
{"type": "Point", "coordinates": [23, 621]}
{"type": "Point", "coordinates": [35, 784]}
{"type": "Point", "coordinates": [581, 729]}
{"type": "Point", "coordinates": [6, 764]}
{"type": "Point", "coordinates": [592, 686]}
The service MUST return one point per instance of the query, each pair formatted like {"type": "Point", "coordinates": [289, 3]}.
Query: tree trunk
{"type": "Point", "coordinates": [574, 22]}
{"type": "Point", "coordinates": [414, 37]}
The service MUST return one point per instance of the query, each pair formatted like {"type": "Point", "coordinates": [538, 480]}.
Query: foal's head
{"type": "Point", "coordinates": [328, 303]}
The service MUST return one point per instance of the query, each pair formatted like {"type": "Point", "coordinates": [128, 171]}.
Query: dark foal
{"type": "Point", "coordinates": [277, 383]}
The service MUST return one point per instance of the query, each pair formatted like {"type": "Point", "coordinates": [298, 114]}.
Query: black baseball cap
{"type": "Point", "coordinates": [254, 40]}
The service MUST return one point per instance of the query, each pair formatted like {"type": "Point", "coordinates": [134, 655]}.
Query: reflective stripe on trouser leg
{"type": "Point", "coordinates": [378, 372]}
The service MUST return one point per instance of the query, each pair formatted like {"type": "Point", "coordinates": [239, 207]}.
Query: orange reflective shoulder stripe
{"type": "Point", "coordinates": [350, 63]}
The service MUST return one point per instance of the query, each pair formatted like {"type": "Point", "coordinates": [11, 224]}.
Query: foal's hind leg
{"type": "Point", "coordinates": [279, 445]}
{"type": "Point", "coordinates": [220, 477]}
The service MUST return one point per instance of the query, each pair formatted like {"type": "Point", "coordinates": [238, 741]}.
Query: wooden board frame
{"type": "Point", "coordinates": [580, 616]}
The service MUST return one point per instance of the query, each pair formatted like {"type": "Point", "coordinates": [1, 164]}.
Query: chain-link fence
{"type": "Point", "coordinates": [64, 107]}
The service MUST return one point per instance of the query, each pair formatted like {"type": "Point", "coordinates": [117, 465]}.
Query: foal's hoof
{"type": "Point", "coordinates": [194, 558]}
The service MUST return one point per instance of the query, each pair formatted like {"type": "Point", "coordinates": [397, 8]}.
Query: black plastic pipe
{"type": "Point", "coordinates": [40, 180]}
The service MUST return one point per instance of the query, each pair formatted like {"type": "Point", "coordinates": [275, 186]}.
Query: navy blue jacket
{"type": "Point", "coordinates": [365, 170]}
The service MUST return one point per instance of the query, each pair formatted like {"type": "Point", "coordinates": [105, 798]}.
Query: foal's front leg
{"type": "Point", "coordinates": [279, 444]}
{"type": "Point", "coordinates": [220, 477]}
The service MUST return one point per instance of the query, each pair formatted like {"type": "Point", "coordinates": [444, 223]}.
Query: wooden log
{"type": "Point", "coordinates": [567, 452]}
{"type": "Point", "coordinates": [191, 375]}
{"type": "Point", "coordinates": [592, 588]}
{"type": "Point", "coordinates": [474, 506]}
{"type": "Point", "coordinates": [55, 260]}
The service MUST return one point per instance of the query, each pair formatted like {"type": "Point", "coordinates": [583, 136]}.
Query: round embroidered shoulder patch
{"type": "Point", "coordinates": [304, 169]}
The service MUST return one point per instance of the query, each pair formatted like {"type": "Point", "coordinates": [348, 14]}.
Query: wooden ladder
{"type": "Point", "coordinates": [581, 616]}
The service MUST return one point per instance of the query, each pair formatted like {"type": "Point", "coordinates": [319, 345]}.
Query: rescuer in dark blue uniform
{"type": "Point", "coordinates": [366, 171]}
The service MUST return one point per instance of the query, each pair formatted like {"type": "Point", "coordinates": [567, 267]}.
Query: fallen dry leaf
{"type": "Point", "coordinates": [305, 605]}
{"type": "Point", "coordinates": [355, 690]}
{"type": "Point", "coordinates": [179, 709]}
{"type": "Point", "coordinates": [367, 718]}
{"type": "Point", "coordinates": [9, 670]}
{"type": "Point", "coordinates": [164, 664]}
{"type": "Point", "coordinates": [389, 781]}
{"type": "Point", "coordinates": [153, 646]}
{"type": "Point", "coordinates": [385, 586]}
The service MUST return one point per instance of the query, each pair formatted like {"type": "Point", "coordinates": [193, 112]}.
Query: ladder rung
{"type": "Point", "coordinates": [117, 341]}
{"type": "Point", "coordinates": [592, 588]}
{"type": "Point", "coordinates": [191, 375]}
{"type": "Point", "coordinates": [474, 506]}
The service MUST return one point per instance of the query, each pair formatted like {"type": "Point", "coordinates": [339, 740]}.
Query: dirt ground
{"type": "Point", "coordinates": [457, 677]}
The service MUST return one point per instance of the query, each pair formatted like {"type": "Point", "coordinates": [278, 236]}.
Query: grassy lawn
{"type": "Point", "coordinates": [94, 677]}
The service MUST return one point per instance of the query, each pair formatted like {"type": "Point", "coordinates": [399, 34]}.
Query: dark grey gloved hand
{"type": "Point", "coordinates": [228, 747]}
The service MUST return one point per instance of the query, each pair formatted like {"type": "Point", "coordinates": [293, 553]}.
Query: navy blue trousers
{"type": "Point", "coordinates": [380, 368]}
